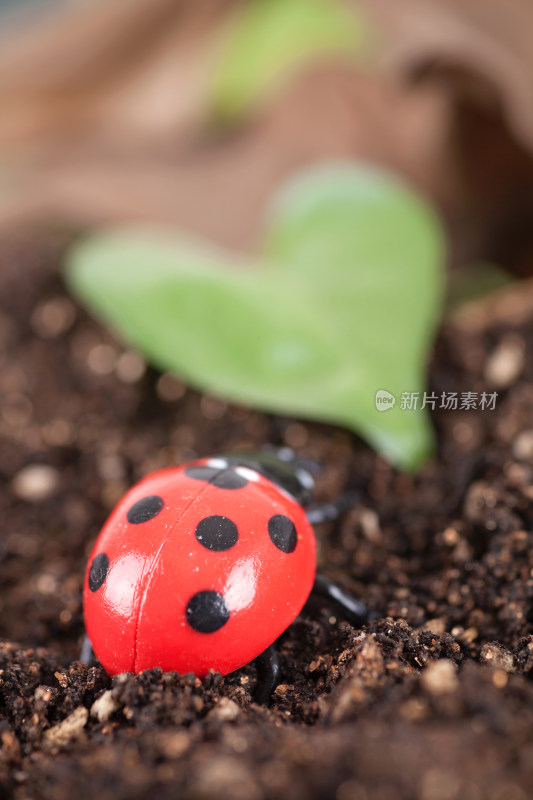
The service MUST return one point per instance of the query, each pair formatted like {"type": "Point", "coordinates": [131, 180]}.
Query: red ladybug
{"type": "Point", "coordinates": [203, 566]}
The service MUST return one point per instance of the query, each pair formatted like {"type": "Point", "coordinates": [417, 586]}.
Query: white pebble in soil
{"type": "Point", "coordinates": [104, 706]}
{"type": "Point", "coordinates": [440, 677]}
{"type": "Point", "coordinates": [69, 729]}
{"type": "Point", "coordinates": [506, 362]}
{"type": "Point", "coordinates": [523, 446]}
{"type": "Point", "coordinates": [35, 483]}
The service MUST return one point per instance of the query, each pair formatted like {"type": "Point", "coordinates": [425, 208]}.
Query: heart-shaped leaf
{"type": "Point", "coordinates": [343, 305]}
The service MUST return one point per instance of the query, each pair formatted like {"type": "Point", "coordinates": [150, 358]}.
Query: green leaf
{"type": "Point", "coordinates": [474, 281]}
{"type": "Point", "coordinates": [272, 38]}
{"type": "Point", "coordinates": [343, 304]}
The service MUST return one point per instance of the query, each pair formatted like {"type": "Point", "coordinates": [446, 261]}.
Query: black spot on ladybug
{"type": "Point", "coordinates": [222, 478]}
{"type": "Point", "coordinates": [217, 533]}
{"type": "Point", "coordinates": [229, 479]}
{"type": "Point", "coordinates": [145, 509]}
{"type": "Point", "coordinates": [201, 473]}
{"type": "Point", "coordinates": [207, 611]}
{"type": "Point", "coordinates": [98, 571]}
{"type": "Point", "coordinates": [282, 532]}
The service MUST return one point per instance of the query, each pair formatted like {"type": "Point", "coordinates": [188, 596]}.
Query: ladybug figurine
{"type": "Point", "coordinates": [205, 565]}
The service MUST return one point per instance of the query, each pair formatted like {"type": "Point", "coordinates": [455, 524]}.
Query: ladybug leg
{"type": "Point", "coordinates": [326, 512]}
{"type": "Point", "coordinates": [268, 674]}
{"type": "Point", "coordinates": [87, 654]}
{"type": "Point", "coordinates": [354, 610]}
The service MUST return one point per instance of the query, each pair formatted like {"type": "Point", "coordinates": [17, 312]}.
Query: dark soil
{"type": "Point", "coordinates": [432, 701]}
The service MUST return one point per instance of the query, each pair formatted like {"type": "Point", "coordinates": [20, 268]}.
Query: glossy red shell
{"type": "Point", "coordinates": [137, 618]}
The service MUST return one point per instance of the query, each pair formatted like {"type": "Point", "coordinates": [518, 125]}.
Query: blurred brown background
{"type": "Point", "coordinates": [107, 114]}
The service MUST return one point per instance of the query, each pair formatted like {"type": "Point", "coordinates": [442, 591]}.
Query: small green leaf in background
{"type": "Point", "coordinates": [343, 303]}
{"type": "Point", "coordinates": [272, 38]}
{"type": "Point", "coordinates": [474, 281]}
